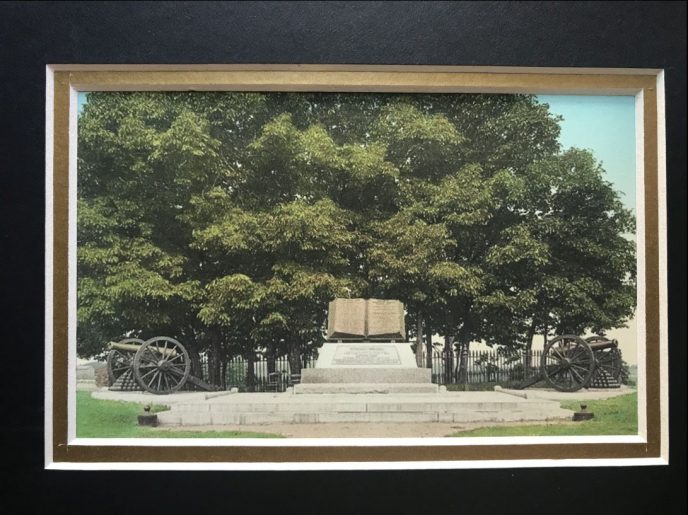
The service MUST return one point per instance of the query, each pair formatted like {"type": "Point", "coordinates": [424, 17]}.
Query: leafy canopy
{"type": "Point", "coordinates": [236, 217]}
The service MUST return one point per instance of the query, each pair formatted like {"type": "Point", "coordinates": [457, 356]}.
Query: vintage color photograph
{"type": "Point", "coordinates": [355, 265]}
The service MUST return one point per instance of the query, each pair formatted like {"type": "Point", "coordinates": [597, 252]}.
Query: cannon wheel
{"type": "Point", "coordinates": [119, 362]}
{"type": "Point", "coordinates": [567, 363]}
{"type": "Point", "coordinates": [608, 359]}
{"type": "Point", "coordinates": [162, 365]}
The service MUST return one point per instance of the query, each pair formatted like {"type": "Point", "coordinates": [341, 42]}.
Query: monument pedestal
{"type": "Point", "coordinates": [351, 388]}
{"type": "Point", "coordinates": [366, 367]}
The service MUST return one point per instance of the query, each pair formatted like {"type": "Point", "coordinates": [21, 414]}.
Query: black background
{"type": "Point", "coordinates": [638, 35]}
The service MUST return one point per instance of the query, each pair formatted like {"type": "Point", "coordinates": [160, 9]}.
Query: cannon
{"type": "Point", "coordinates": [608, 362]}
{"type": "Point", "coordinates": [160, 365]}
{"type": "Point", "coordinates": [569, 363]}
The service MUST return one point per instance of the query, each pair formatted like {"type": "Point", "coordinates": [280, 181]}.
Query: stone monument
{"type": "Point", "coordinates": [366, 352]}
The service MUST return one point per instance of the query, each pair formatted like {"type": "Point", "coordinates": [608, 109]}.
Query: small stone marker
{"type": "Point", "coordinates": [582, 414]}
{"type": "Point", "coordinates": [148, 418]}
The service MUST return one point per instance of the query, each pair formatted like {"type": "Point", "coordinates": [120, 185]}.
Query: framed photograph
{"type": "Point", "coordinates": [353, 266]}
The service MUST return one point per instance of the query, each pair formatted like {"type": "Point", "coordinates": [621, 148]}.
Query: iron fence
{"type": "Point", "coordinates": [491, 366]}
{"type": "Point", "coordinates": [236, 373]}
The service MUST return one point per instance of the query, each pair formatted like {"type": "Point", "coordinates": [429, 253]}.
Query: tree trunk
{"type": "Point", "coordinates": [462, 372]}
{"type": "Point", "coordinates": [419, 340]}
{"type": "Point", "coordinates": [214, 361]}
{"type": "Point", "coordinates": [449, 348]}
{"type": "Point", "coordinates": [250, 372]}
{"type": "Point", "coordinates": [428, 345]}
{"type": "Point", "coordinates": [223, 375]}
{"type": "Point", "coordinates": [271, 361]}
{"type": "Point", "coordinates": [294, 358]}
{"type": "Point", "coordinates": [529, 349]}
{"type": "Point", "coordinates": [448, 359]}
{"type": "Point", "coordinates": [196, 366]}
{"type": "Point", "coordinates": [464, 344]}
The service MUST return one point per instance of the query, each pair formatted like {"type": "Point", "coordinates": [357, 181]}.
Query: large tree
{"type": "Point", "coordinates": [588, 280]}
{"type": "Point", "coordinates": [454, 152]}
{"type": "Point", "coordinates": [231, 219]}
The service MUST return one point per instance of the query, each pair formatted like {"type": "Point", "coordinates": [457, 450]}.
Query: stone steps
{"type": "Point", "coordinates": [207, 418]}
{"type": "Point", "coordinates": [313, 409]}
{"type": "Point", "coordinates": [358, 388]}
{"type": "Point", "coordinates": [88, 385]}
{"type": "Point", "coordinates": [360, 375]}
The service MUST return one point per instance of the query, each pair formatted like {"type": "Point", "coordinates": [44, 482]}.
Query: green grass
{"type": "Point", "coordinates": [615, 416]}
{"type": "Point", "coordinates": [115, 419]}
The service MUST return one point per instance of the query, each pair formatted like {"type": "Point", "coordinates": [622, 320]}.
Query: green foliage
{"type": "Point", "coordinates": [229, 220]}
{"type": "Point", "coordinates": [625, 374]}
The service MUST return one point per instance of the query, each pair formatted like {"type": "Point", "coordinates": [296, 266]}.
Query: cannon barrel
{"type": "Point", "coordinates": [603, 344]}
{"type": "Point", "coordinates": [134, 347]}
{"type": "Point", "coordinates": [126, 347]}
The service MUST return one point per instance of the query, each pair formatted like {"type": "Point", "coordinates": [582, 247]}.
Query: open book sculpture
{"type": "Point", "coordinates": [365, 320]}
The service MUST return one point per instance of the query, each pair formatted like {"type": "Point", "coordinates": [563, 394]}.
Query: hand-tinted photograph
{"type": "Point", "coordinates": [343, 265]}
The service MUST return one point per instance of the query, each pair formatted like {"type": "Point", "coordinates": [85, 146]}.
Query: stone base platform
{"type": "Point", "coordinates": [86, 385]}
{"type": "Point", "coordinates": [358, 388]}
{"type": "Point", "coordinates": [366, 375]}
{"type": "Point", "coordinates": [267, 408]}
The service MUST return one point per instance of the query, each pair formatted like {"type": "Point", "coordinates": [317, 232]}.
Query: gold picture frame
{"type": "Point", "coordinates": [64, 451]}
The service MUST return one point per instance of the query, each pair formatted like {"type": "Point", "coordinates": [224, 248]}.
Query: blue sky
{"type": "Point", "coordinates": [603, 124]}
{"type": "Point", "coordinates": [81, 101]}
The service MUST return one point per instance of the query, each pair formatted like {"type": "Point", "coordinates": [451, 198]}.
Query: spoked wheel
{"type": "Point", "coordinates": [119, 362]}
{"type": "Point", "coordinates": [567, 363]}
{"type": "Point", "coordinates": [161, 365]}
